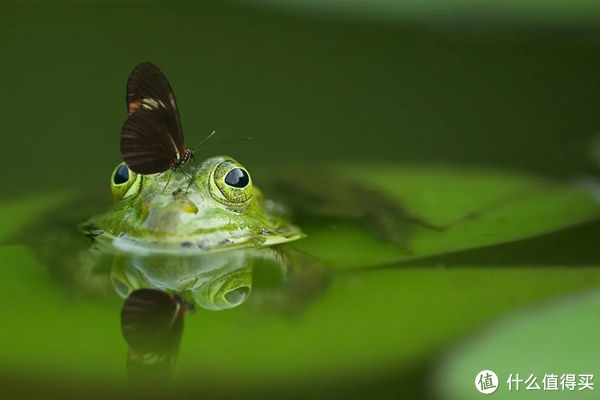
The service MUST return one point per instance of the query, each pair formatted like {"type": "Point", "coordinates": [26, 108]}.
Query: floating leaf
{"type": "Point", "coordinates": [560, 337]}
{"type": "Point", "coordinates": [475, 207]}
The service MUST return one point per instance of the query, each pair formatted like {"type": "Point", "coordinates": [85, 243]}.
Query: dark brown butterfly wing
{"type": "Point", "coordinates": [148, 90]}
{"type": "Point", "coordinates": [146, 144]}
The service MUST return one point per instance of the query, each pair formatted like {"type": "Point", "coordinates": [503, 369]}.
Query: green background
{"type": "Point", "coordinates": [460, 87]}
{"type": "Point", "coordinates": [420, 87]}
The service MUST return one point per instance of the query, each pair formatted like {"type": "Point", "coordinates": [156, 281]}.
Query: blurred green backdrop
{"type": "Point", "coordinates": [512, 85]}
{"type": "Point", "coordinates": [392, 81]}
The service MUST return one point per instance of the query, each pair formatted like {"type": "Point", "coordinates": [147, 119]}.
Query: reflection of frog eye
{"type": "Point", "coordinates": [227, 289]}
{"type": "Point", "coordinates": [233, 184]}
{"type": "Point", "coordinates": [121, 181]}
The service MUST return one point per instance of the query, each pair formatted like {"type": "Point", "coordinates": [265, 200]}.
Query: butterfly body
{"type": "Point", "coordinates": [187, 155]}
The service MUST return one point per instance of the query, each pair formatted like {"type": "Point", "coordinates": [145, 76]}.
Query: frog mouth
{"type": "Point", "coordinates": [213, 242]}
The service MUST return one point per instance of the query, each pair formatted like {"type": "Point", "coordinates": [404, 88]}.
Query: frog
{"type": "Point", "coordinates": [212, 207]}
{"type": "Point", "coordinates": [198, 233]}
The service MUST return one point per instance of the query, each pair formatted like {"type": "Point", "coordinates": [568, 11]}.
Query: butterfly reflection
{"type": "Point", "coordinates": [152, 325]}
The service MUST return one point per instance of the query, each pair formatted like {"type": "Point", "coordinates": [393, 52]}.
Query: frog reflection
{"type": "Point", "coordinates": [211, 281]}
{"type": "Point", "coordinates": [287, 278]}
{"type": "Point", "coordinates": [159, 289]}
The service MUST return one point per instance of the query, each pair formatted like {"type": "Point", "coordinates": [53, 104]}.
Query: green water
{"type": "Point", "coordinates": [512, 99]}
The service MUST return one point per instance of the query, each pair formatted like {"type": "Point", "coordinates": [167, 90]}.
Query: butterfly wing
{"type": "Point", "coordinates": [147, 146]}
{"type": "Point", "coordinates": [149, 94]}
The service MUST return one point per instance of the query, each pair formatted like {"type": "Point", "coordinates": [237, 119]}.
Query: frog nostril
{"type": "Point", "coordinates": [238, 295]}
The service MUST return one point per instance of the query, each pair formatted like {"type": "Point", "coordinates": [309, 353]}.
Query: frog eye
{"type": "Point", "coordinates": [121, 181]}
{"type": "Point", "coordinates": [237, 178]}
{"type": "Point", "coordinates": [231, 184]}
{"type": "Point", "coordinates": [121, 175]}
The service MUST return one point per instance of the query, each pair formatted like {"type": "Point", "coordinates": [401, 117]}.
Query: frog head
{"type": "Point", "coordinates": [209, 207]}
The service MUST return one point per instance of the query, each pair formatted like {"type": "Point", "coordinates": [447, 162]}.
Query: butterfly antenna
{"type": "Point", "coordinates": [205, 140]}
{"type": "Point", "coordinates": [248, 139]}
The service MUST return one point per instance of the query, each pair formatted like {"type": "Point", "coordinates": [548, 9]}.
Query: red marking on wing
{"type": "Point", "coordinates": [134, 105]}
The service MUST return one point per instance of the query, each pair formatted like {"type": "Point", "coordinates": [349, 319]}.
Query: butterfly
{"type": "Point", "coordinates": [151, 137]}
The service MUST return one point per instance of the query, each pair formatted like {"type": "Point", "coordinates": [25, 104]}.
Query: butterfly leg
{"type": "Point", "coordinates": [168, 180]}
{"type": "Point", "coordinates": [190, 177]}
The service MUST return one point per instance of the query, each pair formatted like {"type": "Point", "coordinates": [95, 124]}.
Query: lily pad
{"type": "Point", "coordinates": [473, 207]}
{"type": "Point", "coordinates": [560, 337]}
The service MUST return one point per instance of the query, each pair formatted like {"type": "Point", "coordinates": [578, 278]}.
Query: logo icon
{"type": "Point", "coordinates": [486, 381]}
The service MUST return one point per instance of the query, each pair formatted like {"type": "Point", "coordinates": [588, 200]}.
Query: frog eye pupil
{"type": "Point", "coordinates": [122, 175]}
{"type": "Point", "coordinates": [237, 178]}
